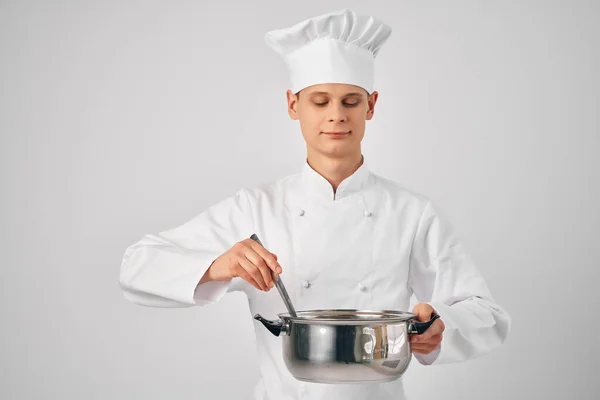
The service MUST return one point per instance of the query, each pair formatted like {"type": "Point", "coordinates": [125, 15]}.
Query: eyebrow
{"type": "Point", "coordinates": [346, 95]}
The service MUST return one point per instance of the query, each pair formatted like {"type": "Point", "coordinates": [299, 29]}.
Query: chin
{"type": "Point", "coordinates": [337, 151]}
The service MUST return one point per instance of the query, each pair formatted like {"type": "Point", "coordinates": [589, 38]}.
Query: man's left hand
{"type": "Point", "coordinates": [431, 339]}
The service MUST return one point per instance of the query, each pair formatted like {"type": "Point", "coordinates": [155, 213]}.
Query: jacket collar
{"type": "Point", "coordinates": [315, 185]}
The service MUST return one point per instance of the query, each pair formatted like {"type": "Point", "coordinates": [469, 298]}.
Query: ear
{"type": "Point", "coordinates": [371, 101]}
{"type": "Point", "coordinates": [292, 101]}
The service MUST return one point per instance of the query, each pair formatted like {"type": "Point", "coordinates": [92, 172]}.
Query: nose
{"type": "Point", "coordinates": [337, 114]}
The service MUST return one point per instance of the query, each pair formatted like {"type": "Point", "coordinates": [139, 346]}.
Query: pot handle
{"type": "Point", "coordinates": [420, 327]}
{"type": "Point", "coordinates": [276, 328]}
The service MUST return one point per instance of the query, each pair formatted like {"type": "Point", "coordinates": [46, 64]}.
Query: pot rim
{"type": "Point", "coordinates": [348, 316]}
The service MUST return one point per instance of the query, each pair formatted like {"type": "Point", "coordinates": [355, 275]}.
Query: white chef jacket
{"type": "Point", "coordinates": [370, 246]}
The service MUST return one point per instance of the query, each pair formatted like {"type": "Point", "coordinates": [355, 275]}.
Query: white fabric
{"type": "Point", "coordinates": [334, 255]}
{"type": "Point", "coordinates": [337, 47]}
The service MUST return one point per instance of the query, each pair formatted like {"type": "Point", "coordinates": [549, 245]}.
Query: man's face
{"type": "Point", "coordinates": [332, 117]}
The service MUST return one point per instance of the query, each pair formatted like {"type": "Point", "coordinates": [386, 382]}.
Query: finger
{"type": "Point", "coordinates": [254, 272]}
{"type": "Point", "coordinates": [260, 264]}
{"type": "Point", "coordinates": [424, 350]}
{"type": "Point", "coordinates": [269, 258]}
{"type": "Point", "coordinates": [242, 273]}
{"type": "Point", "coordinates": [435, 339]}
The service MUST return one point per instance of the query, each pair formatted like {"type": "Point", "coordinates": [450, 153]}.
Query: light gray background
{"type": "Point", "coordinates": [125, 118]}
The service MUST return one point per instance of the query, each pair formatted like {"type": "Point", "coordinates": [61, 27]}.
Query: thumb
{"type": "Point", "coordinates": [423, 312]}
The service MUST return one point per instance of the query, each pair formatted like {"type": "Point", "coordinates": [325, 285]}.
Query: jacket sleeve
{"type": "Point", "coordinates": [163, 270]}
{"type": "Point", "coordinates": [443, 275]}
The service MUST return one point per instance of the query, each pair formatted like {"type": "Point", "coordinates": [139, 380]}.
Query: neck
{"type": "Point", "coordinates": [335, 170]}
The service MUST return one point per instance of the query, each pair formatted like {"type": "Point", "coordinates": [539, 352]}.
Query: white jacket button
{"type": "Point", "coordinates": [363, 287]}
{"type": "Point", "coordinates": [368, 213]}
{"type": "Point", "coordinates": [306, 284]}
{"type": "Point", "coordinates": [301, 213]}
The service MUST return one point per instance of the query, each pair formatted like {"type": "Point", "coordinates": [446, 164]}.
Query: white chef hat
{"type": "Point", "coordinates": [337, 47]}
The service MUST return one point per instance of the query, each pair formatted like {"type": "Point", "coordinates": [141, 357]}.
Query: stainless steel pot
{"type": "Point", "coordinates": [346, 346]}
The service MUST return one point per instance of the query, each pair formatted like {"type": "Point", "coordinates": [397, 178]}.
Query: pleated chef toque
{"type": "Point", "coordinates": [337, 47]}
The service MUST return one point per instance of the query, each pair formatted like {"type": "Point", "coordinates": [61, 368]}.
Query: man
{"type": "Point", "coordinates": [342, 236]}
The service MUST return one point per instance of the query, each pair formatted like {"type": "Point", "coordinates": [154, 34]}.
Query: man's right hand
{"type": "Point", "coordinates": [248, 260]}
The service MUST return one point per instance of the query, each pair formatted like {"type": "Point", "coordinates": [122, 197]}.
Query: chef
{"type": "Point", "coordinates": [340, 235]}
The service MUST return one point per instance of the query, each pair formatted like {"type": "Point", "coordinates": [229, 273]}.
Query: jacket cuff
{"type": "Point", "coordinates": [428, 359]}
{"type": "Point", "coordinates": [210, 292]}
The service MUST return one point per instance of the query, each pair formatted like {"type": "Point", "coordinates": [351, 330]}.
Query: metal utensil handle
{"type": "Point", "coordinates": [279, 284]}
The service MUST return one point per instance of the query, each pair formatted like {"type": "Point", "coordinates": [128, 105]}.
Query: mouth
{"type": "Point", "coordinates": [337, 134]}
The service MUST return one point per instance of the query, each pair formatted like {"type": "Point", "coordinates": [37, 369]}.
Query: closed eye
{"type": "Point", "coordinates": [345, 104]}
